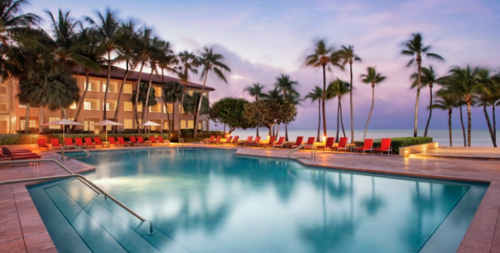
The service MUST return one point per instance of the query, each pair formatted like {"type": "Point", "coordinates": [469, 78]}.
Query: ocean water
{"type": "Point", "coordinates": [480, 138]}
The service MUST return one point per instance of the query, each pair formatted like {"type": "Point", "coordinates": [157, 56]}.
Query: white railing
{"type": "Point", "coordinates": [313, 153]}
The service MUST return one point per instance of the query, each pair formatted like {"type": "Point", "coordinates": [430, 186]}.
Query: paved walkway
{"type": "Point", "coordinates": [472, 153]}
{"type": "Point", "coordinates": [22, 230]}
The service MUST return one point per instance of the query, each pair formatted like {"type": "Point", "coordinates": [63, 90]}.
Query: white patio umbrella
{"type": "Point", "coordinates": [63, 122]}
{"type": "Point", "coordinates": [107, 123]}
{"type": "Point", "coordinates": [149, 123]}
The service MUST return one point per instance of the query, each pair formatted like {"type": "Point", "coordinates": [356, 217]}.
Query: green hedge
{"type": "Point", "coordinates": [16, 139]}
{"type": "Point", "coordinates": [399, 142]}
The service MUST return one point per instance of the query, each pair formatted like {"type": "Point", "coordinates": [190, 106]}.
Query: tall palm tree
{"type": "Point", "coordinates": [155, 56]}
{"type": "Point", "coordinates": [337, 89]}
{"type": "Point", "coordinates": [294, 99]}
{"type": "Point", "coordinates": [211, 62]}
{"type": "Point", "coordinates": [316, 94]}
{"type": "Point", "coordinates": [286, 85]}
{"type": "Point", "coordinates": [487, 96]}
{"type": "Point", "coordinates": [373, 78]}
{"type": "Point", "coordinates": [9, 17]}
{"type": "Point", "coordinates": [256, 91]}
{"type": "Point", "coordinates": [172, 93]}
{"type": "Point", "coordinates": [166, 62]}
{"type": "Point", "coordinates": [108, 32]}
{"type": "Point", "coordinates": [416, 49]}
{"type": "Point", "coordinates": [347, 55]}
{"type": "Point", "coordinates": [274, 94]}
{"type": "Point", "coordinates": [465, 83]}
{"type": "Point", "coordinates": [323, 56]}
{"type": "Point", "coordinates": [64, 36]}
{"type": "Point", "coordinates": [188, 64]}
{"type": "Point", "coordinates": [446, 103]}
{"type": "Point", "coordinates": [428, 78]}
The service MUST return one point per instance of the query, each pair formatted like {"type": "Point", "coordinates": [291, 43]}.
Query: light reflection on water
{"type": "Point", "coordinates": [214, 201]}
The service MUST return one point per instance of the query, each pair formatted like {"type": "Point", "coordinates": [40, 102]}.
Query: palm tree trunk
{"type": "Point", "coordinates": [319, 118]}
{"type": "Point", "coordinates": [136, 100]}
{"type": "Point", "coordinates": [115, 118]}
{"type": "Point", "coordinates": [341, 118]}
{"type": "Point", "coordinates": [168, 120]}
{"type": "Point", "coordinates": [338, 119]}
{"type": "Point", "coordinates": [107, 88]}
{"type": "Point", "coordinates": [257, 128]}
{"type": "Point", "coordinates": [82, 99]}
{"type": "Point", "coordinates": [182, 104]}
{"type": "Point", "coordinates": [449, 127]}
{"type": "Point", "coordinates": [27, 119]}
{"type": "Point", "coordinates": [146, 104]}
{"type": "Point", "coordinates": [463, 127]}
{"type": "Point", "coordinates": [323, 99]}
{"type": "Point", "coordinates": [277, 130]}
{"type": "Point", "coordinates": [224, 129]}
{"type": "Point", "coordinates": [494, 122]}
{"type": "Point", "coordinates": [430, 113]}
{"type": "Point", "coordinates": [469, 123]}
{"type": "Point", "coordinates": [371, 110]}
{"type": "Point", "coordinates": [492, 135]}
{"type": "Point", "coordinates": [40, 119]}
{"type": "Point", "coordinates": [286, 132]}
{"type": "Point", "coordinates": [197, 114]}
{"type": "Point", "coordinates": [415, 124]}
{"type": "Point", "coordinates": [352, 109]}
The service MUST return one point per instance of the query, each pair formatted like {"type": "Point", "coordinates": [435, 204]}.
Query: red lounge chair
{"type": "Point", "coordinates": [89, 142]}
{"type": "Point", "coordinates": [385, 146]}
{"type": "Point", "coordinates": [25, 157]}
{"type": "Point", "coordinates": [69, 142]}
{"type": "Point", "coordinates": [112, 141]}
{"type": "Point", "coordinates": [41, 144]}
{"type": "Point", "coordinates": [298, 142]}
{"type": "Point", "coordinates": [280, 143]}
{"type": "Point", "coordinates": [160, 140]}
{"type": "Point", "coordinates": [98, 142]}
{"type": "Point", "coordinates": [257, 141]}
{"type": "Point", "coordinates": [228, 141]}
{"type": "Point", "coordinates": [133, 141]}
{"type": "Point", "coordinates": [79, 142]}
{"type": "Point", "coordinates": [55, 143]}
{"type": "Point", "coordinates": [235, 140]}
{"type": "Point", "coordinates": [209, 140]}
{"type": "Point", "coordinates": [367, 147]}
{"type": "Point", "coordinates": [248, 142]}
{"type": "Point", "coordinates": [329, 144]}
{"type": "Point", "coordinates": [123, 142]}
{"type": "Point", "coordinates": [269, 143]}
{"type": "Point", "coordinates": [217, 140]}
{"type": "Point", "coordinates": [140, 140]}
{"type": "Point", "coordinates": [310, 142]}
{"type": "Point", "coordinates": [152, 140]}
{"type": "Point", "coordinates": [342, 144]}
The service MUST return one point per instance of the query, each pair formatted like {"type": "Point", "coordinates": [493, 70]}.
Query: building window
{"type": "Point", "coordinates": [157, 91]}
{"type": "Point", "coordinates": [181, 109]}
{"type": "Point", "coordinates": [170, 108]}
{"type": "Point", "coordinates": [127, 89]}
{"type": "Point", "coordinates": [156, 108]}
{"type": "Point", "coordinates": [127, 123]}
{"type": "Point", "coordinates": [91, 104]}
{"type": "Point", "coordinates": [139, 107]}
{"type": "Point", "coordinates": [32, 123]}
{"type": "Point", "coordinates": [190, 124]}
{"type": "Point", "coordinates": [113, 88]}
{"type": "Point", "coordinates": [110, 106]}
{"type": "Point", "coordinates": [88, 124]}
{"type": "Point", "coordinates": [127, 106]}
{"type": "Point", "coordinates": [3, 107]}
{"type": "Point", "coordinates": [183, 124]}
{"type": "Point", "coordinates": [3, 90]}
{"type": "Point", "coordinates": [165, 125]}
{"type": "Point", "coordinates": [72, 106]}
{"type": "Point", "coordinates": [190, 92]}
{"type": "Point", "coordinates": [52, 119]}
{"type": "Point", "coordinates": [199, 125]}
{"type": "Point", "coordinates": [93, 86]}
{"type": "Point", "coordinates": [22, 106]}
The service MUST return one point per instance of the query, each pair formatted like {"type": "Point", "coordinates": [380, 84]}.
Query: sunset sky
{"type": "Point", "coordinates": [263, 39]}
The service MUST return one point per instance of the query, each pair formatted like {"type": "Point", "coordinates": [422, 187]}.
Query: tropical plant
{"type": "Point", "coordinates": [143, 90]}
{"type": "Point", "coordinates": [337, 89]}
{"type": "Point", "coordinates": [373, 78]}
{"type": "Point", "coordinates": [188, 63]}
{"type": "Point", "coordinates": [255, 91]}
{"type": "Point", "coordinates": [415, 48]}
{"type": "Point", "coordinates": [286, 85]}
{"type": "Point", "coordinates": [155, 56]}
{"type": "Point", "coordinates": [488, 95]}
{"type": "Point", "coordinates": [270, 112]}
{"type": "Point", "coordinates": [230, 111]}
{"type": "Point", "coordinates": [211, 62]}
{"type": "Point", "coordinates": [446, 103]}
{"type": "Point", "coordinates": [9, 18]}
{"type": "Point", "coordinates": [293, 99]}
{"type": "Point", "coordinates": [315, 95]}
{"type": "Point", "coordinates": [172, 93]}
{"type": "Point", "coordinates": [347, 55]}
{"type": "Point", "coordinates": [428, 78]}
{"type": "Point", "coordinates": [323, 56]}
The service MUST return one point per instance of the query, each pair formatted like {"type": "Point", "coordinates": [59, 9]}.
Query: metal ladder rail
{"type": "Point", "coordinates": [181, 140]}
{"type": "Point", "coordinates": [89, 182]}
{"type": "Point", "coordinates": [313, 153]}
{"type": "Point", "coordinates": [76, 147]}
{"type": "Point", "coordinates": [54, 161]}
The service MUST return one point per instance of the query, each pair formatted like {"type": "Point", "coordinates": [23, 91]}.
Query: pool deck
{"type": "Point", "coordinates": [22, 229]}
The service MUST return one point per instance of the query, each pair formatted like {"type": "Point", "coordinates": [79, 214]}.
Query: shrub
{"type": "Point", "coordinates": [14, 139]}
{"type": "Point", "coordinates": [399, 142]}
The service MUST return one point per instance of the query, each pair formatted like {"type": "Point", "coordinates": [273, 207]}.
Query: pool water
{"type": "Point", "coordinates": [205, 200]}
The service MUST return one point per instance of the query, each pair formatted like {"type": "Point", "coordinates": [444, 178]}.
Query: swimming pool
{"type": "Point", "coordinates": [207, 200]}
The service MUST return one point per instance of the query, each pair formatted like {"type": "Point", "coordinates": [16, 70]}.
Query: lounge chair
{"type": "Point", "coordinates": [152, 140]}
{"type": "Point", "coordinates": [228, 141]}
{"type": "Point", "coordinates": [269, 143]}
{"type": "Point", "coordinates": [328, 145]}
{"type": "Point", "coordinates": [235, 140]}
{"type": "Point", "coordinates": [98, 142]}
{"type": "Point", "coordinates": [18, 154]}
{"type": "Point", "coordinates": [209, 140]}
{"type": "Point", "coordinates": [367, 146]}
{"type": "Point", "coordinates": [79, 142]}
{"type": "Point", "coordinates": [123, 142]}
{"type": "Point", "coordinates": [141, 141]}
{"type": "Point", "coordinates": [89, 142]}
{"type": "Point", "coordinates": [55, 143]}
{"type": "Point", "coordinates": [298, 142]}
{"type": "Point", "coordinates": [112, 141]}
{"type": "Point", "coordinates": [133, 141]}
{"type": "Point", "coordinates": [68, 142]}
{"type": "Point", "coordinates": [216, 141]}
{"type": "Point", "coordinates": [248, 142]}
{"type": "Point", "coordinates": [342, 144]}
{"type": "Point", "coordinates": [160, 140]}
{"type": "Point", "coordinates": [256, 142]}
{"type": "Point", "coordinates": [385, 146]}
{"type": "Point", "coordinates": [41, 144]}
{"type": "Point", "coordinates": [310, 142]}
{"type": "Point", "coordinates": [280, 143]}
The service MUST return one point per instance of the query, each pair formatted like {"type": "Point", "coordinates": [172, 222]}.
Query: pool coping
{"type": "Point", "coordinates": [483, 235]}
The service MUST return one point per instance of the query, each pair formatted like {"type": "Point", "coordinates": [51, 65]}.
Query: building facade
{"type": "Point", "coordinates": [13, 114]}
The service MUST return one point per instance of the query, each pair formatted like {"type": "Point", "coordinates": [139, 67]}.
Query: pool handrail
{"type": "Point", "coordinates": [313, 153]}
{"type": "Point", "coordinates": [76, 147]}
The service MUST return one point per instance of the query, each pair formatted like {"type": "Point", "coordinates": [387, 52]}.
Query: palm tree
{"type": "Point", "coordinates": [416, 49]}
{"type": "Point", "coordinates": [211, 62]}
{"type": "Point", "coordinates": [446, 103]}
{"type": "Point", "coordinates": [166, 62]}
{"type": "Point", "coordinates": [155, 56]}
{"type": "Point", "coordinates": [347, 55]}
{"type": "Point", "coordinates": [487, 96]}
{"type": "Point", "coordinates": [108, 32]}
{"type": "Point", "coordinates": [172, 93]}
{"type": "Point", "coordinates": [465, 83]}
{"type": "Point", "coordinates": [9, 18]}
{"type": "Point", "coordinates": [294, 99]}
{"type": "Point", "coordinates": [64, 37]}
{"type": "Point", "coordinates": [323, 57]}
{"type": "Point", "coordinates": [284, 84]}
{"type": "Point", "coordinates": [316, 94]}
{"type": "Point", "coordinates": [373, 78]}
{"type": "Point", "coordinates": [274, 94]}
{"type": "Point", "coordinates": [428, 78]}
{"type": "Point", "coordinates": [256, 91]}
{"type": "Point", "coordinates": [188, 63]}
{"type": "Point", "coordinates": [337, 89]}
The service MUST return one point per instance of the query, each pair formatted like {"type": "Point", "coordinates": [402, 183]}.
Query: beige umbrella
{"type": "Point", "coordinates": [63, 122]}
{"type": "Point", "coordinates": [107, 123]}
{"type": "Point", "coordinates": [149, 123]}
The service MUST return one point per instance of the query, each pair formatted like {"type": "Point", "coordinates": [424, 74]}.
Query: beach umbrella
{"type": "Point", "coordinates": [63, 122]}
{"type": "Point", "coordinates": [107, 123]}
{"type": "Point", "coordinates": [149, 123]}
